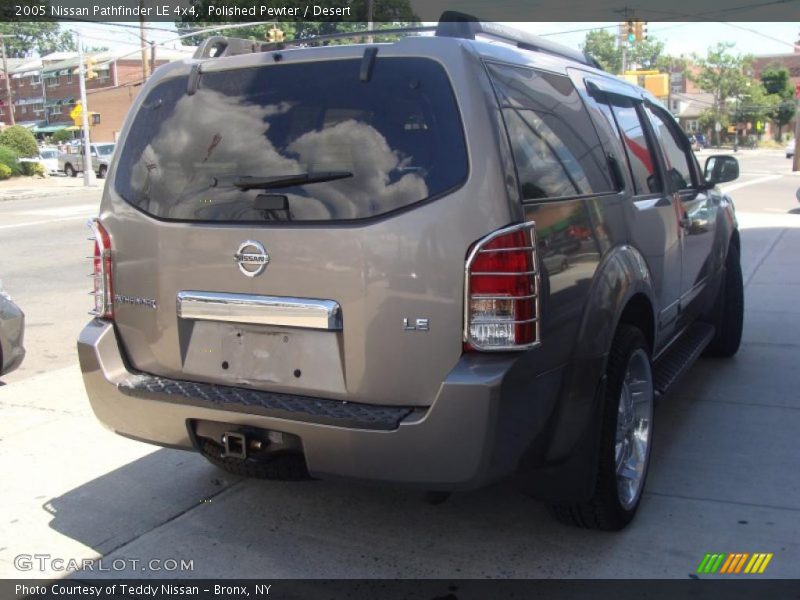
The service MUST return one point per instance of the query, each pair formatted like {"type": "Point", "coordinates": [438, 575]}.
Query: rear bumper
{"type": "Point", "coordinates": [478, 427]}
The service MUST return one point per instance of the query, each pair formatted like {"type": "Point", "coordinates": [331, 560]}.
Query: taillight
{"type": "Point", "coordinates": [501, 304]}
{"type": "Point", "coordinates": [102, 272]}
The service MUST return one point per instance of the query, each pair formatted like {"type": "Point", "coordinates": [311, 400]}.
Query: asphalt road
{"type": "Point", "coordinates": [724, 476]}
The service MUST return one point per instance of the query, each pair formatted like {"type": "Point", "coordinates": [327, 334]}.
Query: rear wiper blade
{"type": "Point", "coordinates": [281, 181]}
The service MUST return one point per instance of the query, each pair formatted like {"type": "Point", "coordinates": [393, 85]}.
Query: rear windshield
{"type": "Point", "coordinates": [238, 148]}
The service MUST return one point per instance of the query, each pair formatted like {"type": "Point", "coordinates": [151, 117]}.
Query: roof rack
{"type": "Point", "coordinates": [451, 24]}
{"type": "Point", "coordinates": [218, 46]}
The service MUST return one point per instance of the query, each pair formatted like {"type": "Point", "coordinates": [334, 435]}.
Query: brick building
{"type": "Point", "coordinates": [45, 90]}
{"type": "Point", "coordinates": [791, 61]}
{"type": "Point", "coordinates": [112, 104]}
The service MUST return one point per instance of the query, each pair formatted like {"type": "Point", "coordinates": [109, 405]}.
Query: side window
{"type": "Point", "coordinates": [678, 162]}
{"type": "Point", "coordinates": [556, 148]}
{"type": "Point", "coordinates": [640, 154]}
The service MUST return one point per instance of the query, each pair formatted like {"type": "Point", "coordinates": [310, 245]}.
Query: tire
{"type": "Point", "coordinates": [620, 477]}
{"type": "Point", "coordinates": [69, 171]}
{"type": "Point", "coordinates": [101, 172]}
{"type": "Point", "coordinates": [283, 467]}
{"type": "Point", "coordinates": [728, 313]}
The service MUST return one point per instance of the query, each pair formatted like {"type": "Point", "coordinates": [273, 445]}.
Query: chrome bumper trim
{"type": "Point", "coordinates": [307, 313]}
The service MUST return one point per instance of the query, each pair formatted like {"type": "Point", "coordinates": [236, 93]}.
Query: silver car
{"type": "Point", "coordinates": [333, 260]}
{"type": "Point", "coordinates": [12, 330]}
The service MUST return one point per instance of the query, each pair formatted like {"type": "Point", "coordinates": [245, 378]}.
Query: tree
{"type": "Point", "coordinates": [20, 140]}
{"type": "Point", "coordinates": [722, 74]}
{"type": "Point", "coordinates": [602, 46]}
{"type": "Point", "coordinates": [35, 38]}
{"type": "Point", "coordinates": [754, 103]}
{"type": "Point", "coordinates": [62, 135]}
{"type": "Point", "coordinates": [386, 14]}
{"type": "Point", "coordinates": [646, 54]}
{"type": "Point", "coordinates": [775, 80]}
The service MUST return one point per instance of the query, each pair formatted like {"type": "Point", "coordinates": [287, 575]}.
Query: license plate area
{"type": "Point", "coordinates": [277, 358]}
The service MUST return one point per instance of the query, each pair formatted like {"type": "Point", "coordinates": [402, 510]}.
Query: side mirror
{"type": "Point", "coordinates": [720, 168]}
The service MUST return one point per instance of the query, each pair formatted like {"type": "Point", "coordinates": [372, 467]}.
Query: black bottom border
{"type": "Point", "coordinates": [397, 589]}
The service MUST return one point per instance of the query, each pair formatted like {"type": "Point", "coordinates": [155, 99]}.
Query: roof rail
{"type": "Point", "coordinates": [461, 25]}
{"type": "Point", "coordinates": [451, 24]}
{"type": "Point", "coordinates": [219, 46]}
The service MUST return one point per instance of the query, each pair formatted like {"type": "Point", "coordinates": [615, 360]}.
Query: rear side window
{"type": "Point", "coordinates": [371, 147]}
{"type": "Point", "coordinates": [639, 153]}
{"type": "Point", "coordinates": [679, 170]}
{"type": "Point", "coordinates": [556, 148]}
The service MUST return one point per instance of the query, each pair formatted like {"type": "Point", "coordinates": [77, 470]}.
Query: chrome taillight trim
{"type": "Point", "coordinates": [105, 253]}
{"type": "Point", "coordinates": [530, 228]}
{"type": "Point", "coordinates": [501, 322]}
{"type": "Point", "coordinates": [505, 274]}
{"type": "Point", "coordinates": [500, 297]}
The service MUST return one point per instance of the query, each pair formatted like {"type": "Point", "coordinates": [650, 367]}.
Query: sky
{"type": "Point", "coordinates": [680, 38]}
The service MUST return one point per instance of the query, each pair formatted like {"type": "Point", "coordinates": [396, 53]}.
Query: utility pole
{"type": "Point", "coordinates": [143, 41]}
{"type": "Point", "coordinates": [624, 57]}
{"type": "Point", "coordinates": [8, 80]}
{"type": "Point", "coordinates": [370, 24]}
{"type": "Point", "coordinates": [88, 168]}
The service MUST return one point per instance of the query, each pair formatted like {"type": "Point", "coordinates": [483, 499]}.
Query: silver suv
{"type": "Point", "coordinates": [436, 262]}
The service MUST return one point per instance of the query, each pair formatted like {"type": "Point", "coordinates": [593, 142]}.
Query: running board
{"type": "Point", "coordinates": [673, 364]}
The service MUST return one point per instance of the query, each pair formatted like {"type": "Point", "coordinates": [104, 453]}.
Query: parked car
{"type": "Point", "coordinates": [71, 161]}
{"type": "Point", "coordinates": [300, 268]}
{"type": "Point", "coordinates": [700, 139]}
{"type": "Point", "coordinates": [48, 158]}
{"type": "Point", "coordinates": [12, 332]}
{"type": "Point", "coordinates": [789, 149]}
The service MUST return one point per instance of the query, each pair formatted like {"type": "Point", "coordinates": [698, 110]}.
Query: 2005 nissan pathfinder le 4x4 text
{"type": "Point", "coordinates": [435, 262]}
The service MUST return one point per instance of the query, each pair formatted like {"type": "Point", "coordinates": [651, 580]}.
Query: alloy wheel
{"type": "Point", "coordinates": [634, 428]}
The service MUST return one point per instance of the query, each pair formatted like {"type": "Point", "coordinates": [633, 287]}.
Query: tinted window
{"type": "Point", "coordinates": [556, 148]}
{"type": "Point", "coordinates": [399, 137]}
{"type": "Point", "coordinates": [640, 155]}
{"type": "Point", "coordinates": [678, 169]}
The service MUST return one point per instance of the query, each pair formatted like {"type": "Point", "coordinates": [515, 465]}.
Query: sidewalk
{"type": "Point", "coordinates": [19, 188]}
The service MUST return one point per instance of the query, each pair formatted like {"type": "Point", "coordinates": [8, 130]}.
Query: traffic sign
{"type": "Point", "coordinates": [76, 114]}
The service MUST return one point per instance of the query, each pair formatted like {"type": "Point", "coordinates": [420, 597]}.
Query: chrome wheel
{"type": "Point", "coordinates": [634, 428]}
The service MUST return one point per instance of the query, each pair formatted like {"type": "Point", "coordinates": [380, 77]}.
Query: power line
{"type": "Point", "coordinates": [755, 31]}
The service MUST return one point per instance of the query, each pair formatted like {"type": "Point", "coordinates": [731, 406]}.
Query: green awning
{"type": "Point", "coordinates": [49, 128]}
